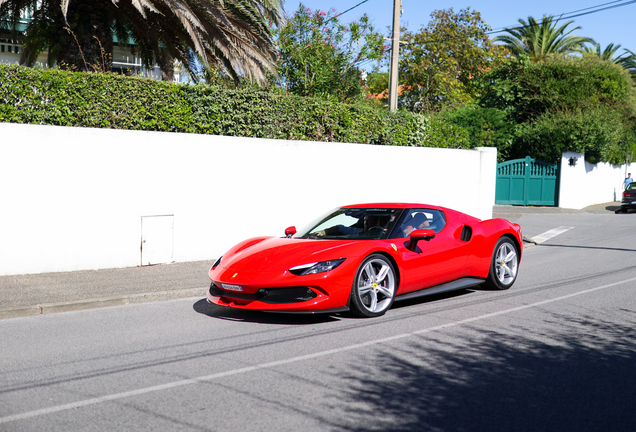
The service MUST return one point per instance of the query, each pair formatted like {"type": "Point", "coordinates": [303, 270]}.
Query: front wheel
{"type": "Point", "coordinates": [374, 287]}
{"type": "Point", "coordinates": [504, 265]}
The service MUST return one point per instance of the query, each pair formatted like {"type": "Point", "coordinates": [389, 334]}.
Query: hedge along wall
{"type": "Point", "coordinates": [54, 97]}
{"type": "Point", "coordinates": [59, 98]}
{"type": "Point", "coordinates": [77, 198]}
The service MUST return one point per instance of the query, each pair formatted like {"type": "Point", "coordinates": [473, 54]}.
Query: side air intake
{"type": "Point", "coordinates": [467, 233]}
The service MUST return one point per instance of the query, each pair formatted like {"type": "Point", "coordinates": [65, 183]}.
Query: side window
{"type": "Point", "coordinates": [422, 219]}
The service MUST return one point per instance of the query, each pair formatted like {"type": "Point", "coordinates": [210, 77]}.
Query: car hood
{"type": "Point", "coordinates": [280, 254]}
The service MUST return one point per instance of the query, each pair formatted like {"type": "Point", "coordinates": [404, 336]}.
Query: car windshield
{"type": "Point", "coordinates": [354, 223]}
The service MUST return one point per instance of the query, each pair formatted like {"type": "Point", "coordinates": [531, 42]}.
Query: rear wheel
{"type": "Point", "coordinates": [374, 287]}
{"type": "Point", "coordinates": [504, 265]}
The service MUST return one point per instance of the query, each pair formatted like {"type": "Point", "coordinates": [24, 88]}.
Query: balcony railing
{"type": "Point", "coordinates": [10, 46]}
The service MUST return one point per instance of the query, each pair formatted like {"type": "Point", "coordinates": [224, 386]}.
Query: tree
{"type": "Point", "coordinates": [595, 50]}
{"type": "Point", "coordinates": [628, 61]}
{"type": "Point", "coordinates": [232, 36]}
{"type": "Point", "coordinates": [319, 56]}
{"type": "Point", "coordinates": [486, 127]}
{"type": "Point", "coordinates": [602, 133]}
{"type": "Point", "coordinates": [542, 40]}
{"type": "Point", "coordinates": [584, 105]}
{"type": "Point", "coordinates": [438, 65]}
{"type": "Point", "coordinates": [377, 87]}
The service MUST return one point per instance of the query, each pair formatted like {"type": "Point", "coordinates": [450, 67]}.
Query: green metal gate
{"type": "Point", "coordinates": [527, 182]}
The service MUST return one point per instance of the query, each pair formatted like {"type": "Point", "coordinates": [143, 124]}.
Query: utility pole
{"type": "Point", "coordinates": [395, 56]}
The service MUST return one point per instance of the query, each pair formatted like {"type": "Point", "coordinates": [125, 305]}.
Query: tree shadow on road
{"type": "Point", "coordinates": [579, 378]}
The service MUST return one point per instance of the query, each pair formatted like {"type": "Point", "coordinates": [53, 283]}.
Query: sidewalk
{"type": "Point", "coordinates": [513, 213]}
{"type": "Point", "coordinates": [24, 295]}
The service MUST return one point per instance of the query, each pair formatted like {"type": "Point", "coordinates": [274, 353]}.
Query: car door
{"type": "Point", "coordinates": [433, 262]}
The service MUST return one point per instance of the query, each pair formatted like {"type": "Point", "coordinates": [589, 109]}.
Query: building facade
{"type": "Point", "coordinates": [125, 58]}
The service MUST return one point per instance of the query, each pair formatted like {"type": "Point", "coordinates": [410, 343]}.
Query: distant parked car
{"type": "Point", "coordinates": [363, 257]}
{"type": "Point", "coordinates": [629, 198]}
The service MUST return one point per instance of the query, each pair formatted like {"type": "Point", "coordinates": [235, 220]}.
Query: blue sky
{"type": "Point", "coordinates": [615, 25]}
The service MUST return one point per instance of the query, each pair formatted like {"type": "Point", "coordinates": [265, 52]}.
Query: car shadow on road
{"type": "Point", "coordinates": [431, 298]}
{"type": "Point", "coordinates": [213, 311]}
{"type": "Point", "coordinates": [619, 210]}
{"type": "Point", "coordinates": [585, 247]}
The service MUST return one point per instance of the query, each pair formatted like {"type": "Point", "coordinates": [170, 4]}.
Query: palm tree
{"type": "Point", "coordinates": [595, 50]}
{"type": "Point", "coordinates": [627, 59]}
{"type": "Point", "coordinates": [542, 40]}
{"type": "Point", "coordinates": [230, 36]}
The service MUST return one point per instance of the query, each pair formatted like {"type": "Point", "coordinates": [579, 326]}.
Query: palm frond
{"type": "Point", "coordinates": [234, 35]}
{"type": "Point", "coordinates": [544, 39]}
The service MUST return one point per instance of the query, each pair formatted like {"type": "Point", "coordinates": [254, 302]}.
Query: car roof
{"type": "Point", "coordinates": [393, 205]}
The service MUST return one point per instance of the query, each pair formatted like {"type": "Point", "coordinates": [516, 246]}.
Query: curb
{"type": "Point", "coordinates": [77, 305]}
{"type": "Point", "coordinates": [527, 242]}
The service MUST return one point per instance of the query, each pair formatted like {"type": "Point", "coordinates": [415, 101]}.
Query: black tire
{"type": "Point", "coordinates": [504, 265]}
{"type": "Point", "coordinates": [374, 287]}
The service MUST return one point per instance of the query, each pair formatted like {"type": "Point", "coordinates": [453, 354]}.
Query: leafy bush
{"type": "Point", "coordinates": [486, 127]}
{"type": "Point", "coordinates": [600, 134]}
{"type": "Point", "coordinates": [582, 105]}
{"type": "Point", "coordinates": [527, 89]}
{"type": "Point", "coordinates": [91, 100]}
{"type": "Point", "coordinates": [437, 132]}
{"type": "Point", "coordinates": [319, 56]}
{"type": "Point", "coordinates": [55, 97]}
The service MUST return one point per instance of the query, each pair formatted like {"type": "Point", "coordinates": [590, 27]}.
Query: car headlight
{"type": "Point", "coordinates": [314, 268]}
{"type": "Point", "coordinates": [217, 262]}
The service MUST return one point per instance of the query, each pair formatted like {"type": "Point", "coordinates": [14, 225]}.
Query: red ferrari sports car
{"type": "Point", "coordinates": [364, 257]}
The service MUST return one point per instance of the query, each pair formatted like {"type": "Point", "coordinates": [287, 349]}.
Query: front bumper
{"type": "Point", "coordinates": [324, 292]}
{"type": "Point", "coordinates": [299, 300]}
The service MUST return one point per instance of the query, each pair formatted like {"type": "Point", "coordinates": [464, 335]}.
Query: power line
{"type": "Point", "coordinates": [341, 13]}
{"type": "Point", "coordinates": [565, 15]}
{"type": "Point", "coordinates": [602, 9]}
{"type": "Point", "coordinates": [594, 7]}
{"type": "Point", "coordinates": [351, 8]}
{"type": "Point", "coordinates": [576, 13]}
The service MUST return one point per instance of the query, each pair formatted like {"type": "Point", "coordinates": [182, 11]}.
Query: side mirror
{"type": "Point", "coordinates": [420, 234]}
{"type": "Point", "coordinates": [290, 231]}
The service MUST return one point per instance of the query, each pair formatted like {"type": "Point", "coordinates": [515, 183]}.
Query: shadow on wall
{"type": "Point", "coordinates": [580, 379]}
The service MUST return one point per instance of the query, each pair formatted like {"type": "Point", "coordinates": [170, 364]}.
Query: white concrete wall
{"type": "Point", "coordinates": [585, 184]}
{"type": "Point", "coordinates": [73, 198]}
{"type": "Point", "coordinates": [487, 184]}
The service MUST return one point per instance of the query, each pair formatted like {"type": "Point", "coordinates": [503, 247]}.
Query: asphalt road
{"type": "Point", "coordinates": [556, 352]}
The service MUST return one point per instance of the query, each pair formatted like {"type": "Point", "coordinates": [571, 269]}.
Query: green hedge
{"type": "Point", "coordinates": [54, 97]}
